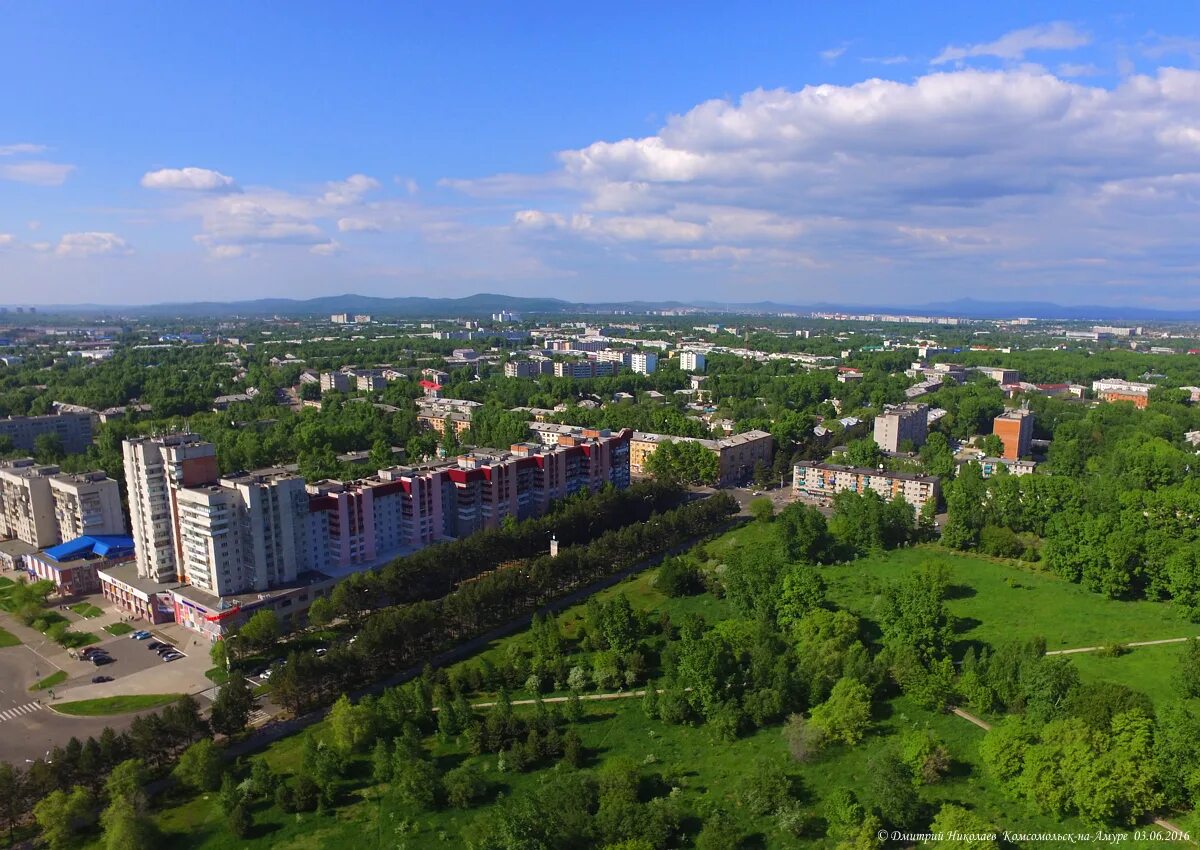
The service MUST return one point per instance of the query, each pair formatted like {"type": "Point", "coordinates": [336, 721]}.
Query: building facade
{"type": "Point", "coordinates": [737, 455]}
{"type": "Point", "coordinates": [86, 503]}
{"type": "Point", "coordinates": [156, 469]}
{"type": "Point", "coordinates": [26, 506]}
{"type": "Point", "coordinates": [823, 481]}
{"type": "Point", "coordinates": [1015, 430]}
{"type": "Point", "coordinates": [691, 361]}
{"type": "Point", "coordinates": [1114, 389]}
{"type": "Point", "coordinates": [902, 423]}
{"type": "Point", "coordinates": [73, 429]}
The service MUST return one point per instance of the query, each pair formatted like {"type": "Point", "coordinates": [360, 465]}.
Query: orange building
{"type": "Point", "coordinates": [1015, 430]}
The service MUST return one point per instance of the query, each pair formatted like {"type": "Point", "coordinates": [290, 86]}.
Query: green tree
{"type": "Point", "coordinates": [321, 612]}
{"type": "Point", "coordinates": [846, 715]}
{"type": "Point", "coordinates": [991, 445]}
{"type": "Point", "coordinates": [464, 786]}
{"type": "Point", "coordinates": [961, 829]}
{"type": "Point", "coordinates": [200, 766]}
{"type": "Point", "coordinates": [60, 816]}
{"type": "Point", "coordinates": [864, 454]}
{"type": "Point", "coordinates": [683, 462]}
{"type": "Point", "coordinates": [1187, 674]}
{"type": "Point", "coordinates": [241, 821]}
{"type": "Point", "coordinates": [762, 509]}
{"type": "Point", "coordinates": [353, 726]}
{"type": "Point", "coordinates": [127, 828]}
{"type": "Point", "coordinates": [261, 630]}
{"type": "Point", "coordinates": [232, 708]}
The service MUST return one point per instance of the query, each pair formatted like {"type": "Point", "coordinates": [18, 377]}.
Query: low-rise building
{"type": "Point", "coordinates": [1115, 389]}
{"type": "Point", "coordinates": [335, 382]}
{"type": "Point", "coordinates": [72, 566]}
{"type": "Point", "coordinates": [74, 430]}
{"type": "Point", "coordinates": [737, 455]}
{"type": "Point", "coordinates": [991, 465]}
{"type": "Point", "coordinates": [440, 413]}
{"type": "Point", "coordinates": [823, 481]}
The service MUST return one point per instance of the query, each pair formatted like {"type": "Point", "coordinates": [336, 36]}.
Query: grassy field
{"type": "Point", "coordinates": [118, 629]}
{"type": "Point", "coordinates": [86, 610]}
{"type": "Point", "coordinates": [53, 680]}
{"type": "Point", "coordinates": [7, 638]}
{"type": "Point", "coordinates": [1149, 669]}
{"type": "Point", "coordinates": [115, 705]}
{"type": "Point", "coordinates": [997, 601]}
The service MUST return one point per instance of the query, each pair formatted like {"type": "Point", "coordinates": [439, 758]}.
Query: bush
{"type": "Point", "coordinates": [679, 577]}
{"type": "Point", "coordinates": [464, 786]}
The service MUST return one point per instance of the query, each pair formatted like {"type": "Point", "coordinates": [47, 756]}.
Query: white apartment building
{"type": "Point", "coordinates": [691, 361]}
{"type": "Point", "coordinates": [86, 503]}
{"type": "Point", "coordinates": [247, 533]}
{"type": "Point", "coordinates": [643, 363]}
{"type": "Point", "coordinates": [26, 507]}
{"type": "Point", "coordinates": [156, 469]}
{"type": "Point", "coordinates": [909, 421]}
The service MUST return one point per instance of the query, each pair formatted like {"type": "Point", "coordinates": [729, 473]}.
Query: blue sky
{"type": "Point", "coordinates": [860, 153]}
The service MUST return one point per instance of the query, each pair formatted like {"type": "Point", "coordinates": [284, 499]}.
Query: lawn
{"type": "Point", "coordinates": [53, 680]}
{"type": "Point", "coordinates": [7, 638]}
{"type": "Point", "coordinates": [997, 601]}
{"type": "Point", "coordinates": [1149, 669]}
{"type": "Point", "coordinates": [86, 610]}
{"type": "Point", "coordinates": [115, 705]}
{"type": "Point", "coordinates": [118, 629]}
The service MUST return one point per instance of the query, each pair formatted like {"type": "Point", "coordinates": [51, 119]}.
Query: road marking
{"type": "Point", "coordinates": [13, 713]}
{"type": "Point", "coordinates": [257, 716]}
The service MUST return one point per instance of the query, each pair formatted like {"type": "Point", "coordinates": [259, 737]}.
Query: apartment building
{"type": "Point", "coordinates": [246, 533]}
{"type": "Point", "coordinates": [437, 414]}
{"type": "Point", "coordinates": [528, 368]}
{"type": "Point", "coordinates": [26, 506]}
{"type": "Point", "coordinates": [156, 469]}
{"type": "Point", "coordinates": [73, 429]}
{"type": "Point", "coordinates": [908, 422]}
{"type": "Point", "coordinates": [86, 503]}
{"type": "Point", "coordinates": [822, 481]}
{"type": "Point", "coordinates": [991, 466]}
{"type": "Point", "coordinates": [583, 369]}
{"type": "Point", "coordinates": [1015, 430]}
{"type": "Point", "coordinates": [643, 362]}
{"type": "Point", "coordinates": [1114, 389]}
{"type": "Point", "coordinates": [370, 382]}
{"type": "Point", "coordinates": [335, 382]}
{"type": "Point", "coordinates": [737, 455]}
{"type": "Point", "coordinates": [691, 361]}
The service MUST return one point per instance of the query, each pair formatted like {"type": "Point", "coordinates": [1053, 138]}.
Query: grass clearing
{"type": "Point", "coordinates": [122, 704]}
{"type": "Point", "coordinates": [997, 601]}
{"type": "Point", "coordinates": [118, 629]}
{"type": "Point", "coordinates": [51, 681]}
{"type": "Point", "coordinates": [86, 610]}
{"type": "Point", "coordinates": [1149, 669]}
{"type": "Point", "coordinates": [7, 638]}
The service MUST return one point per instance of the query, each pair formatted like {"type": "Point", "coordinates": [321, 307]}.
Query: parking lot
{"type": "Point", "coordinates": [136, 669]}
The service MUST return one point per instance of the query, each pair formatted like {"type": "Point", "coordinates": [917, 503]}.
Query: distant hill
{"type": "Point", "coordinates": [484, 304]}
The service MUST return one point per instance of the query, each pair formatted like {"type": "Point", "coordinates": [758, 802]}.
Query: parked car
{"type": "Point", "coordinates": [88, 651]}
{"type": "Point", "coordinates": [101, 660]}
{"type": "Point", "coordinates": [166, 647]}
{"type": "Point", "coordinates": [96, 680]}
{"type": "Point", "coordinates": [156, 645]}
{"type": "Point", "coordinates": [172, 656]}
{"type": "Point", "coordinates": [140, 635]}
{"type": "Point", "coordinates": [321, 650]}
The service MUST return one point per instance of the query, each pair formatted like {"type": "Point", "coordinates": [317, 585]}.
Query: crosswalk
{"type": "Point", "coordinates": [13, 713]}
{"type": "Point", "coordinates": [258, 717]}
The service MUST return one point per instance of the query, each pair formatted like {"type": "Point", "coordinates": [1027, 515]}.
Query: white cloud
{"type": "Point", "coordinates": [36, 172]}
{"type": "Point", "coordinates": [258, 218]}
{"type": "Point", "coordinates": [92, 244]}
{"type": "Point", "coordinates": [326, 249]}
{"type": "Point", "coordinates": [349, 191]}
{"type": "Point", "coordinates": [189, 179]}
{"type": "Point", "coordinates": [833, 53]}
{"type": "Point", "coordinates": [7, 239]}
{"type": "Point", "coordinates": [350, 224]}
{"type": "Point", "coordinates": [228, 252]}
{"type": "Point", "coordinates": [1014, 45]}
{"type": "Point", "coordinates": [899, 59]}
{"type": "Point", "coordinates": [21, 148]}
{"type": "Point", "coordinates": [1086, 69]}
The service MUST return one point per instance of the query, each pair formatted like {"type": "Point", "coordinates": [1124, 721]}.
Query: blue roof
{"type": "Point", "coordinates": [100, 545]}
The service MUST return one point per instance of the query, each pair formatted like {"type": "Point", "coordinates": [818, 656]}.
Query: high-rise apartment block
{"type": "Point", "coordinates": [691, 361]}
{"type": "Point", "coordinates": [643, 363]}
{"type": "Point", "coordinates": [44, 507]}
{"type": "Point", "coordinates": [86, 503]}
{"type": "Point", "coordinates": [903, 423]}
{"type": "Point", "coordinates": [156, 469]}
{"type": "Point", "coordinates": [1015, 430]}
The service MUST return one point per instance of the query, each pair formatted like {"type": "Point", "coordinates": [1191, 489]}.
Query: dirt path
{"type": "Point", "coordinates": [1130, 645]}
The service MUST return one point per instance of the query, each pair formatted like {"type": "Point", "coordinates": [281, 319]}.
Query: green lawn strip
{"type": "Point", "coordinates": [115, 705]}
{"type": "Point", "coordinates": [219, 675]}
{"type": "Point", "coordinates": [85, 609]}
{"type": "Point", "coordinates": [118, 629]}
{"type": "Point", "coordinates": [7, 638]}
{"type": "Point", "coordinates": [50, 681]}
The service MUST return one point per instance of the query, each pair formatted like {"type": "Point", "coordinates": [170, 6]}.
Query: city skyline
{"type": "Point", "coordinates": [1031, 153]}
